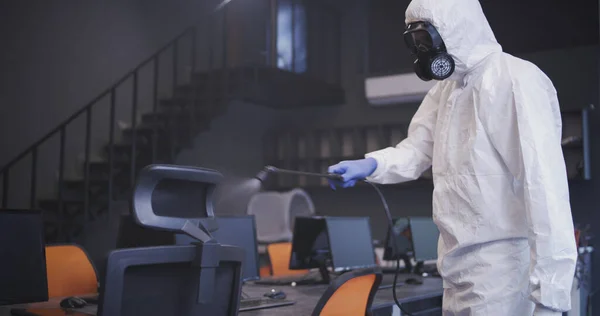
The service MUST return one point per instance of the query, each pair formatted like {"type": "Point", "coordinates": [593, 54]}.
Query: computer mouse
{"type": "Point", "coordinates": [278, 295]}
{"type": "Point", "coordinates": [413, 281]}
{"type": "Point", "coordinates": [73, 302]}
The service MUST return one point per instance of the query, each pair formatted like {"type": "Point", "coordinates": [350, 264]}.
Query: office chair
{"type": "Point", "coordinates": [170, 281]}
{"type": "Point", "coordinates": [350, 294]}
{"type": "Point", "coordinates": [199, 279]}
{"type": "Point", "coordinates": [70, 271]}
{"type": "Point", "coordinates": [275, 213]}
{"type": "Point", "coordinates": [279, 257]}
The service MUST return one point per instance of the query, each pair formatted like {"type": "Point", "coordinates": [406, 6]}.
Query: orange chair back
{"type": "Point", "coordinates": [70, 271]}
{"type": "Point", "coordinates": [265, 271]}
{"type": "Point", "coordinates": [350, 294]}
{"type": "Point", "coordinates": [279, 256]}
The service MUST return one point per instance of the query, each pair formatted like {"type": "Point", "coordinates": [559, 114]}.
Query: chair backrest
{"type": "Point", "coordinates": [70, 271]}
{"type": "Point", "coordinates": [177, 199]}
{"type": "Point", "coordinates": [275, 213]}
{"type": "Point", "coordinates": [168, 281]}
{"type": "Point", "coordinates": [351, 294]}
{"type": "Point", "coordinates": [279, 257]}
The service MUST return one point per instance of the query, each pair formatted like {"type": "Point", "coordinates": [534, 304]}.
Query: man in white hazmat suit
{"type": "Point", "coordinates": [492, 132]}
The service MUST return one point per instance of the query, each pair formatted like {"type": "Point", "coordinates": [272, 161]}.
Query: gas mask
{"type": "Point", "coordinates": [433, 61]}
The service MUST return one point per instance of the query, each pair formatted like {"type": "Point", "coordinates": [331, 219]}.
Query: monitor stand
{"type": "Point", "coordinates": [408, 267]}
{"type": "Point", "coordinates": [325, 279]}
{"type": "Point", "coordinates": [420, 269]}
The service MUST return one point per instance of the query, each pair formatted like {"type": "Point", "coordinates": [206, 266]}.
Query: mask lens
{"type": "Point", "coordinates": [418, 41]}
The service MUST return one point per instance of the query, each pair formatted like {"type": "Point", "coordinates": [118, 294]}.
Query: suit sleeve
{"type": "Point", "coordinates": [411, 157]}
{"type": "Point", "coordinates": [525, 128]}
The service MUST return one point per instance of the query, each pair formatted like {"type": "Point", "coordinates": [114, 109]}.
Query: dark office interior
{"type": "Point", "coordinates": [134, 137]}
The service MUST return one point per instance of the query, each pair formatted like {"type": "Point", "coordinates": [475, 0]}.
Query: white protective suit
{"type": "Point", "coordinates": [492, 133]}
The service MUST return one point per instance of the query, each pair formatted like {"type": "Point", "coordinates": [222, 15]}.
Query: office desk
{"type": "Point", "coordinates": [53, 303]}
{"type": "Point", "coordinates": [414, 297]}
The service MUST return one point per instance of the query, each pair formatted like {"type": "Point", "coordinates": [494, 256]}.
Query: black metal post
{"type": "Point", "coordinates": [193, 48]}
{"type": "Point", "coordinates": [225, 81]}
{"type": "Point", "coordinates": [154, 111]}
{"type": "Point", "coordinates": [194, 87]}
{"type": "Point", "coordinates": [225, 31]}
{"type": "Point", "coordinates": [111, 151]}
{"type": "Point", "coordinates": [585, 133]}
{"type": "Point", "coordinates": [61, 169]}
{"type": "Point", "coordinates": [174, 125]}
{"type": "Point", "coordinates": [175, 59]}
{"type": "Point", "coordinates": [338, 53]}
{"type": "Point", "coordinates": [273, 58]}
{"type": "Point", "coordinates": [293, 3]}
{"type": "Point", "coordinates": [211, 64]}
{"type": "Point", "coordinates": [86, 166]}
{"type": "Point", "coordinates": [134, 127]}
{"type": "Point", "coordinates": [5, 189]}
{"type": "Point", "coordinates": [173, 129]}
{"type": "Point", "coordinates": [32, 194]}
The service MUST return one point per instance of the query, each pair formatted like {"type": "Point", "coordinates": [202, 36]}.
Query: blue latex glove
{"type": "Point", "coordinates": [352, 171]}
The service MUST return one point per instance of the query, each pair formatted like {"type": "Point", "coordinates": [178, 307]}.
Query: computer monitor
{"type": "Point", "coordinates": [310, 244]}
{"type": "Point", "coordinates": [398, 244]}
{"type": "Point", "coordinates": [22, 257]}
{"type": "Point", "coordinates": [166, 281]}
{"type": "Point", "coordinates": [343, 243]}
{"type": "Point", "coordinates": [133, 235]}
{"type": "Point", "coordinates": [237, 231]}
{"type": "Point", "coordinates": [425, 235]}
{"type": "Point", "coordinates": [350, 243]}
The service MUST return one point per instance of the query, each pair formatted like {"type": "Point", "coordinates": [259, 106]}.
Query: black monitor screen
{"type": "Point", "coordinates": [425, 236]}
{"type": "Point", "coordinates": [397, 241]}
{"type": "Point", "coordinates": [23, 257]}
{"type": "Point", "coordinates": [132, 235]}
{"type": "Point", "coordinates": [350, 242]}
{"type": "Point", "coordinates": [310, 244]}
{"type": "Point", "coordinates": [239, 231]}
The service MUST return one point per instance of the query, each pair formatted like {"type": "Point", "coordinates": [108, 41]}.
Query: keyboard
{"type": "Point", "coordinates": [249, 304]}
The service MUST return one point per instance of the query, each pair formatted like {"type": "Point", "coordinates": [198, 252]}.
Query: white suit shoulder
{"type": "Point", "coordinates": [514, 73]}
{"type": "Point", "coordinates": [510, 82]}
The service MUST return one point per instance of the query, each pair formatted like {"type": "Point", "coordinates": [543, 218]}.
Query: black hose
{"type": "Point", "coordinates": [391, 224]}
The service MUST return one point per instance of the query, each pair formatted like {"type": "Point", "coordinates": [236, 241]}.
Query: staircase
{"type": "Point", "coordinates": [154, 136]}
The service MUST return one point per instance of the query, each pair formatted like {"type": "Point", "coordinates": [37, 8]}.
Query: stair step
{"type": "Point", "coordinates": [174, 118]}
{"type": "Point", "coordinates": [70, 207]}
{"type": "Point", "coordinates": [70, 229]}
{"type": "Point", "coordinates": [201, 88]}
{"type": "Point", "coordinates": [80, 183]}
{"type": "Point", "coordinates": [198, 103]}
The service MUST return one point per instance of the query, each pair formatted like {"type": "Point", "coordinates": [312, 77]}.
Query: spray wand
{"type": "Point", "coordinates": [263, 174]}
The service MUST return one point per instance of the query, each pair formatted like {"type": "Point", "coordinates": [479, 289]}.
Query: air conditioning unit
{"type": "Point", "coordinates": [396, 89]}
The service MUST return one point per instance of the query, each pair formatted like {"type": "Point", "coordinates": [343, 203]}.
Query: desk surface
{"type": "Point", "coordinates": [306, 297]}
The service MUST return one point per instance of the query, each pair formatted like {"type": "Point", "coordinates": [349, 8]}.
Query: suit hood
{"type": "Point", "coordinates": [463, 27]}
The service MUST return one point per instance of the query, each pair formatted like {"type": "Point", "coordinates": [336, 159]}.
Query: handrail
{"type": "Point", "coordinates": [94, 101]}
